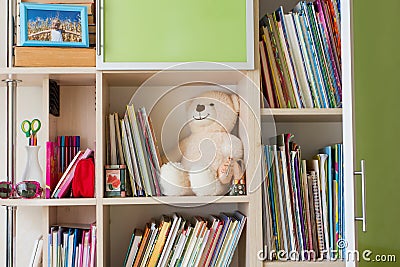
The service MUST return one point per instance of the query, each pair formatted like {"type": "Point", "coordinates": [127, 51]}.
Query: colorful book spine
{"type": "Point", "coordinates": [303, 200]}
{"type": "Point", "coordinates": [51, 168]}
{"type": "Point", "coordinates": [178, 243]}
{"type": "Point", "coordinates": [72, 245]}
{"type": "Point", "coordinates": [301, 52]}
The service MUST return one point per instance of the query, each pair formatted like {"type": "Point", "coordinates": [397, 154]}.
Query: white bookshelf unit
{"type": "Point", "coordinates": [88, 94]}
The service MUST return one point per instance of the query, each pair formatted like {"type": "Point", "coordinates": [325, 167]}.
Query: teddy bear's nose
{"type": "Point", "coordinates": [200, 108]}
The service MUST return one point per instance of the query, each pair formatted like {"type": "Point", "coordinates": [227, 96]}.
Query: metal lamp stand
{"type": "Point", "coordinates": [11, 128]}
{"type": "Point", "coordinates": [11, 210]}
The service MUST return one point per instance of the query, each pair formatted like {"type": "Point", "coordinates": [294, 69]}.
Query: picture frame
{"type": "Point", "coordinates": [53, 25]}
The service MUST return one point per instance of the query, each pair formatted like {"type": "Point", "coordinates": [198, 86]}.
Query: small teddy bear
{"type": "Point", "coordinates": [208, 159]}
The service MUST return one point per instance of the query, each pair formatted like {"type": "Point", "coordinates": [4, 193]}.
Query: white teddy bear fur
{"type": "Point", "coordinates": [211, 118]}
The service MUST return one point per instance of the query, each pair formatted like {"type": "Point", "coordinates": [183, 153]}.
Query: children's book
{"type": "Point", "coordinates": [51, 168]}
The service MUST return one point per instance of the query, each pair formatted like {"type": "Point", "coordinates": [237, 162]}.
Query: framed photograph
{"type": "Point", "coordinates": [53, 25]}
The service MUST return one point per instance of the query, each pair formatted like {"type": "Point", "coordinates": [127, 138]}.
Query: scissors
{"type": "Point", "coordinates": [30, 129]}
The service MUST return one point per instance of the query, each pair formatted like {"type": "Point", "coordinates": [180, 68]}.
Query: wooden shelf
{"type": "Point", "coordinates": [48, 202]}
{"type": "Point", "coordinates": [184, 200]}
{"type": "Point", "coordinates": [302, 115]}
{"type": "Point", "coordinates": [304, 264]}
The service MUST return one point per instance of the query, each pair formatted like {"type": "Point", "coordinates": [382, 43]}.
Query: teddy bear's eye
{"type": "Point", "coordinates": [212, 104]}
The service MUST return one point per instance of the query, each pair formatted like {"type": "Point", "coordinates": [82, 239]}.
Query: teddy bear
{"type": "Point", "coordinates": [209, 158]}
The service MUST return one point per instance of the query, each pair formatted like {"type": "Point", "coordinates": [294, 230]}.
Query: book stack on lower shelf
{"type": "Point", "coordinates": [73, 245]}
{"type": "Point", "coordinates": [300, 55]}
{"type": "Point", "coordinates": [178, 242]}
{"type": "Point", "coordinates": [303, 207]}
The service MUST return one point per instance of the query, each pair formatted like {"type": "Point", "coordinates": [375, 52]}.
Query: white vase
{"type": "Point", "coordinates": [33, 172]}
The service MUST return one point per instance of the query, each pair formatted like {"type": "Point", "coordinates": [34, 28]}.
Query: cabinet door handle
{"type": "Point", "coordinates": [363, 197]}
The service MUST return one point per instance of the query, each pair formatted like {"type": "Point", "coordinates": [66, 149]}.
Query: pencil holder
{"type": "Point", "coordinates": [33, 172]}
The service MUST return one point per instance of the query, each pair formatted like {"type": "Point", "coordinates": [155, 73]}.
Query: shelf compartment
{"type": "Point", "coordinates": [175, 200]}
{"type": "Point", "coordinates": [124, 219]}
{"type": "Point", "coordinates": [302, 115]}
{"type": "Point", "coordinates": [48, 202]}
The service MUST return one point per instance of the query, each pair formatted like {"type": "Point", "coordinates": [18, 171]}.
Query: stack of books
{"type": "Point", "coordinates": [300, 55]}
{"type": "Point", "coordinates": [73, 245]}
{"type": "Point", "coordinates": [132, 143]}
{"type": "Point", "coordinates": [177, 242]}
{"type": "Point", "coordinates": [303, 208]}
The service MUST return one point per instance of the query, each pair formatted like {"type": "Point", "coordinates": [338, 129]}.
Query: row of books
{"type": "Point", "coordinates": [132, 143]}
{"type": "Point", "coordinates": [303, 207]}
{"type": "Point", "coordinates": [72, 246]}
{"type": "Point", "coordinates": [300, 54]}
{"type": "Point", "coordinates": [178, 242]}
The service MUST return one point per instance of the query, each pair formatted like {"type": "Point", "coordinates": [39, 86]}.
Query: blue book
{"type": "Point", "coordinates": [129, 248]}
{"type": "Point", "coordinates": [59, 242]}
{"type": "Point", "coordinates": [242, 221]}
{"type": "Point", "coordinates": [49, 251]}
{"type": "Point", "coordinates": [75, 245]}
{"type": "Point", "coordinates": [269, 156]}
{"type": "Point", "coordinates": [68, 248]}
{"type": "Point", "coordinates": [62, 153]}
{"type": "Point", "coordinates": [301, 8]}
{"type": "Point", "coordinates": [341, 198]}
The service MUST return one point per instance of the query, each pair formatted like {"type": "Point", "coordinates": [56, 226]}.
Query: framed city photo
{"type": "Point", "coordinates": [53, 25]}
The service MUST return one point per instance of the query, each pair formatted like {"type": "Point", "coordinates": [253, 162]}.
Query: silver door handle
{"type": "Point", "coordinates": [363, 197]}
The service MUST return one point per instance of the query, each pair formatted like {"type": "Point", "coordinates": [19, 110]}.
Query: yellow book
{"type": "Point", "coordinates": [158, 247]}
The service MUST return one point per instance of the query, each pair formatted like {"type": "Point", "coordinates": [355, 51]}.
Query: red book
{"type": "Point", "coordinates": [52, 176]}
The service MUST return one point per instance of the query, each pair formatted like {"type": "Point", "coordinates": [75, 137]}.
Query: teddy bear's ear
{"type": "Point", "coordinates": [236, 103]}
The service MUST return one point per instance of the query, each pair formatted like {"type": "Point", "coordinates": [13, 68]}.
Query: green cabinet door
{"type": "Point", "coordinates": [377, 124]}
{"type": "Point", "coordinates": [177, 31]}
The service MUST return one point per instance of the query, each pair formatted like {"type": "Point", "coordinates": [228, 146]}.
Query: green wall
{"type": "Point", "coordinates": [175, 30]}
{"type": "Point", "coordinates": [377, 95]}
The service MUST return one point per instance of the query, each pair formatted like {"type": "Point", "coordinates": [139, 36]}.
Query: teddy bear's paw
{"type": "Point", "coordinates": [224, 172]}
{"type": "Point", "coordinates": [204, 183]}
{"type": "Point", "coordinates": [174, 181]}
